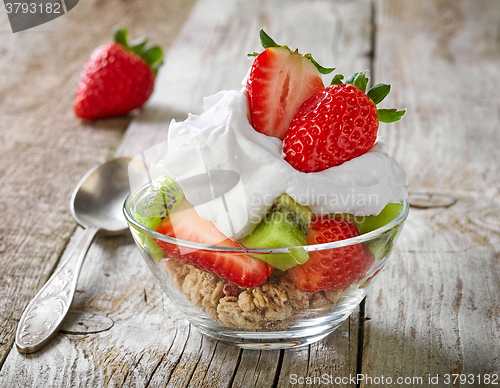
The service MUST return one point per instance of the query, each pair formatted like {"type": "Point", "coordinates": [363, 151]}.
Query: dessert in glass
{"type": "Point", "coordinates": [266, 218]}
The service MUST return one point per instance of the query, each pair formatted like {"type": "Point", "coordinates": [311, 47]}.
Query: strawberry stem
{"type": "Point", "coordinates": [152, 54]}
{"type": "Point", "coordinates": [389, 115]}
{"type": "Point", "coordinates": [321, 69]}
{"type": "Point", "coordinates": [337, 80]}
{"type": "Point", "coordinates": [378, 92]}
{"type": "Point", "coordinates": [267, 42]}
{"type": "Point", "coordinates": [138, 44]}
{"type": "Point", "coordinates": [358, 80]}
{"type": "Point", "coordinates": [121, 36]}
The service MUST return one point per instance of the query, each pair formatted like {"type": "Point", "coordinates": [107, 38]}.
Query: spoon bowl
{"type": "Point", "coordinates": [96, 205]}
{"type": "Point", "coordinates": [98, 199]}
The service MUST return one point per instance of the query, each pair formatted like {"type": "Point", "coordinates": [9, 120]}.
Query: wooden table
{"type": "Point", "coordinates": [435, 310]}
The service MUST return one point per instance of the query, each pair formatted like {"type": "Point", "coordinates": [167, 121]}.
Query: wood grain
{"type": "Point", "coordinates": [44, 150]}
{"type": "Point", "coordinates": [436, 304]}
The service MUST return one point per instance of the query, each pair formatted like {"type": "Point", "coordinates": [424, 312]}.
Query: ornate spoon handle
{"type": "Point", "coordinates": [45, 313]}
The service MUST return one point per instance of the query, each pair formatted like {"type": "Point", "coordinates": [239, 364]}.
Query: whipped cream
{"type": "Point", "coordinates": [221, 143]}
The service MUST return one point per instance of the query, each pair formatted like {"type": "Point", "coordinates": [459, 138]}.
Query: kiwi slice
{"type": "Point", "coordinates": [158, 201]}
{"type": "Point", "coordinates": [383, 244]}
{"type": "Point", "coordinates": [285, 225]}
{"type": "Point", "coordinates": [370, 223]}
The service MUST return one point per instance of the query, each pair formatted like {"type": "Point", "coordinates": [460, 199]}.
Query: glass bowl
{"type": "Point", "coordinates": [274, 315]}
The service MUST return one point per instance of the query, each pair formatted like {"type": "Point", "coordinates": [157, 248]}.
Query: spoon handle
{"type": "Point", "coordinates": [43, 316]}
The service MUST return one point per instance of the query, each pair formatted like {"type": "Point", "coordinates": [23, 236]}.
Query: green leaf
{"type": "Point", "coordinates": [266, 40]}
{"type": "Point", "coordinates": [378, 92]}
{"type": "Point", "coordinates": [152, 54]}
{"type": "Point", "coordinates": [358, 80]}
{"type": "Point", "coordinates": [120, 35]}
{"type": "Point", "coordinates": [352, 77]}
{"type": "Point", "coordinates": [389, 115]}
{"type": "Point", "coordinates": [156, 66]}
{"type": "Point", "coordinates": [138, 44]}
{"type": "Point", "coordinates": [321, 69]}
{"type": "Point", "coordinates": [337, 80]}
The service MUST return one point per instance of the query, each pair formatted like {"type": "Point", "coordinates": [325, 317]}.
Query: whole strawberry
{"type": "Point", "coordinates": [331, 269]}
{"type": "Point", "coordinates": [337, 124]}
{"type": "Point", "coordinates": [279, 82]}
{"type": "Point", "coordinates": [117, 78]}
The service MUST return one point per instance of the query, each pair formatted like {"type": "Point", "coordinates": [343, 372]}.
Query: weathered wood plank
{"type": "Point", "coordinates": [44, 150]}
{"type": "Point", "coordinates": [257, 369]}
{"type": "Point", "coordinates": [436, 304]}
{"type": "Point", "coordinates": [335, 357]}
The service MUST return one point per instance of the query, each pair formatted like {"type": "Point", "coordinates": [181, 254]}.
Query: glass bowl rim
{"type": "Point", "coordinates": [399, 219]}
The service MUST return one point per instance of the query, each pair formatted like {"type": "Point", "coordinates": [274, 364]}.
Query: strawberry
{"type": "Point", "coordinates": [238, 269]}
{"type": "Point", "coordinates": [331, 269]}
{"type": "Point", "coordinates": [337, 124]}
{"type": "Point", "coordinates": [279, 82]}
{"type": "Point", "coordinates": [117, 78]}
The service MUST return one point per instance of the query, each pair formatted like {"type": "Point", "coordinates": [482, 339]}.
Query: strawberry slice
{"type": "Point", "coordinates": [236, 268]}
{"type": "Point", "coordinates": [332, 269]}
{"type": "Point", "coordinates": [279, 82]}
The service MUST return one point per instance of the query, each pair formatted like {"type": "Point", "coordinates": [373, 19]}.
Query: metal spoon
{"type": "Point", "coordinates": [96, 205]}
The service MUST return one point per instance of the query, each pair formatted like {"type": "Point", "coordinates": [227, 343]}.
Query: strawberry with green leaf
{"type": "Point", "coordinates": [337, 124]}
{"type": "Point", "coordinates": [117, 78]}
{"type": "Point", "coordinates": [279, 82]}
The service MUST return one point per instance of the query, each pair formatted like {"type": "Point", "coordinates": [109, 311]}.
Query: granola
{"type": "Point", "coordinates": [269, 307]}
